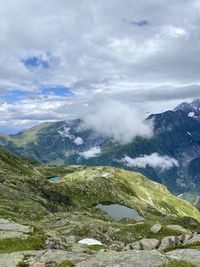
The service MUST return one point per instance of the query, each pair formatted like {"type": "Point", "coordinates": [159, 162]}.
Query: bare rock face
{"type": "Point", "coordinates": [193, 238]}
{"type": "Point", "coordinates": [178, 228]}
{"type": "Point", "coordinates": [6, 225]}
{"type": "Point", "coordinates": [143, 244]}
{"type": "Point", "coordinates": [168, 241]}
{"type": "Point", "coordinates": [126, 259]}
{"type": "Point", "coordinates": [190, 255]}
{"type": "Point", "coordinates": [40, 258]}
{"type": "Point", "coordinates": [140, 258]}
{"type": "Point", "coordinates": [10, 229]}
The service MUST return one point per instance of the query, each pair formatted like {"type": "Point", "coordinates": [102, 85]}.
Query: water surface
{"type": "Point", "coordinates": [118, 212]}
{"type": "Point", "coordinates": [54, 178]}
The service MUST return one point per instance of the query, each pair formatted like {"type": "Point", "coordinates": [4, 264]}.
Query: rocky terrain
{"type": "Point", "coordinates": [46, 222]}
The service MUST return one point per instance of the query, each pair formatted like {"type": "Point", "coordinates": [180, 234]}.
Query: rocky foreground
{"type": "Point", "coordinates": [69, 252]}
{"type": "Point", "coordinates": [52, 258]}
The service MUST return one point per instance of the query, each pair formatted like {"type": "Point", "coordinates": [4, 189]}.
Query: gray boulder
{"type": "Point", "coordinates": [148, 244]}
{"type": "Point", "coordinates": [6, 225]}
{"type": "Point", "coordinates": [156, 228]}
{"type": "Point", "coordinates": [10, 229]}
{"type": "Point", "coordinates": [167, 241]}
{"type": "Point", "coordinates": [143, 244]}
{"type": "Point", "coordinates": [193, 239]}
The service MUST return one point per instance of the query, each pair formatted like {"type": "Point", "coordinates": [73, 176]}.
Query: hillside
{"type": "Point", "coordinates": [176, 135]}
{"type": "Point", "coordinates": [64, 211]}
{"type": "Point", "coordinates": [87, 186]}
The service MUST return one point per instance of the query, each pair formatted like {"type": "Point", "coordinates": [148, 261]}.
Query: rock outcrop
{"type": "Point", "coordinates": [140, 258]}
{"type": "Point", "coordinates": [166, 242]}
{"type": "Point", "coordinates": [10, 229]}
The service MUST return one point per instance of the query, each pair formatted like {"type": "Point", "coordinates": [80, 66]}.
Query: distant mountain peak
{"type": "Point", "coordinates": [187, 107]}
{"type": "Point", "coordinates": [195, 103]}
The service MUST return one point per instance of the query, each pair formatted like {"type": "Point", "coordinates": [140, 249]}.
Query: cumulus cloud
{"type": "Point", "coordinates": [89, 43]}
{"type": "Point", "coordinates": [154, 160]}
{"type": "Point", "coordinates": [126, 52]}
{"type": "Point", "coordinates": [91, 153]}
{"type": "Point", "coordinates": [119, 121]}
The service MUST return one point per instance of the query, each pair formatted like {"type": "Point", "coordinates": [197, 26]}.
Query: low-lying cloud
{"type": "Point", "coordinates": [118, 121]}
{"type": "Point", "coordinates": [91, 153]}
{"type": "Point", "coordinates": [154, 160]}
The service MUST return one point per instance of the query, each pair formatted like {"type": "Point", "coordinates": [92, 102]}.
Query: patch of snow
{"type": "Point", "coordinates": [89, 241]}
{"type": "Point", "coordinates": [78, 141]}
{"type": "Point", "coordinates": [65, 133]}
{"type": "Point", "coordinates": [105, 174]}
{"type": "Point", "coordinates": [192, 115]}
{"type": "Point", "coordinates": [91, 153]}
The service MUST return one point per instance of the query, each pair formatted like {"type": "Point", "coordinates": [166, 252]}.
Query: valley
{"type": "Point", "coordinates": [175, 144]}
{"type": "Point", "coordinates": [43, 221]}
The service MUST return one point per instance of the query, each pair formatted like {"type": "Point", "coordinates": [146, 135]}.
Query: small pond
{"type": "Point", "coordinates": [54, 178]}
{"type": "Point", "coordinates": [118, 212]}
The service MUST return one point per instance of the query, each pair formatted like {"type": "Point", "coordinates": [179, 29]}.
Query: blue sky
{"type": "Point", "coordinates": [35, 62]}
{"type": "Point", "coordinates": [56, 90]}
{"type": "Point", "coordinates": [14, 96]}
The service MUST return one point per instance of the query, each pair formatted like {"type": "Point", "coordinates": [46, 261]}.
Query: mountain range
{"type": "Point", "coordinates": [175, 145]}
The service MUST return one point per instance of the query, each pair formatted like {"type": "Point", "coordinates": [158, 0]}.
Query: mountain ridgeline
{"type": "Point", "coordinates": [26, 184]}
{"type": "Point", "coordinates": [176, 135]}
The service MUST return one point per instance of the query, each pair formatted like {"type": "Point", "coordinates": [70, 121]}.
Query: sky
{"type": "Point", "coordinates": [95, 59]}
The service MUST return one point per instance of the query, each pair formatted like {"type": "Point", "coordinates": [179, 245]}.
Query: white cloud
{"type": "Point", "coordinates": [174, 32]}
{"type": "Point", "coordinates": [119, 121]}
{"type": "Point", "coordinates": [88, 43]}
{"type": "Point", "coordinates": [91, 153]}
{"type": "Point", "coordinates": [154, 160]}
{"type": "Point", "coordinates": [93, 48]}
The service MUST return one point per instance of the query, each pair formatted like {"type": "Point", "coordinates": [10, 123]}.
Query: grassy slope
{"type": "Point", "coordinates": [24, 183]}
{"type": "Point", "coordinates": [66, 207]}
{"type": "Point", "coordinates": [105, 184]}
{"type": "Point", "coordinates": [28, 136]}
